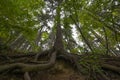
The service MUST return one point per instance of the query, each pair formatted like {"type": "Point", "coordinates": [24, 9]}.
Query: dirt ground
{"type": "Point", "coordinates": [59, 72]}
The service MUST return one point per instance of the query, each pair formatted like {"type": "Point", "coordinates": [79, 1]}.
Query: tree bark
{"type": "Point", "coordinates": [58, 45]}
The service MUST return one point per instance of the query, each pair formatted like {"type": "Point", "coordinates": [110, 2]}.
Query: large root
{"type": "Point", "coordinates": [14, 63]}
{"type": "Point", "coordinates": [29, 67]}
{"type": "Point", "coordinates": [111, 67]}
{"type": "Point", "coordinates": [26, 74]}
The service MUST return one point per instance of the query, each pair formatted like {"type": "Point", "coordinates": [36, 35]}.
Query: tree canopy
{"type": "Point", "coordinates": [91, 25]}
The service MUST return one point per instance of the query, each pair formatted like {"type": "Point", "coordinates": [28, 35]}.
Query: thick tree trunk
{"type": "Point", "coordinates": [58, 45]}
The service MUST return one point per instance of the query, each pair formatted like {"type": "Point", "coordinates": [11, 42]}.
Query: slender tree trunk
{"type": "Point", "coordinates": [17, 41]}
{"type": "Point", "coordinates": [38, 38]}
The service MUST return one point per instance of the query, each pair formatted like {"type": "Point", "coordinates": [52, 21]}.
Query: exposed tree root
{"type": "Point", "coordinates": [111, 67]}
{"type": "Point", "coordinates": [36, 64]}
{"type": "Point", "coordinates": [103, 76]}
{"type": "Point", "coordinates": [27, 76]}
{"type": "Point", "coordinates": [29, 67]}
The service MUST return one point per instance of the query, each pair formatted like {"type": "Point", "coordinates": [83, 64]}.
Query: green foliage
{"type": "Point", "coordinates": [88, 17]}
{"type": "Point", "coordinates": [17, 16]}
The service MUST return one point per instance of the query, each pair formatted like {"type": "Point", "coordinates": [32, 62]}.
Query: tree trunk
{"type": "Point", "coordinates": [58, 45]}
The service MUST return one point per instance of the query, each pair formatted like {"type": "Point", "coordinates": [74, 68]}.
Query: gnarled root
{"type": "Point", "coordinates": [29, 67]}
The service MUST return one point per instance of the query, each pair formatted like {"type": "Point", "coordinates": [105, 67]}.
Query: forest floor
{"type": "Point", "coordinates": [62, 70]}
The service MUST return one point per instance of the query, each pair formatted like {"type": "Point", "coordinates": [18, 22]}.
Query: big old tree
{"type": "Point", "coordinates": [38, 37]}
